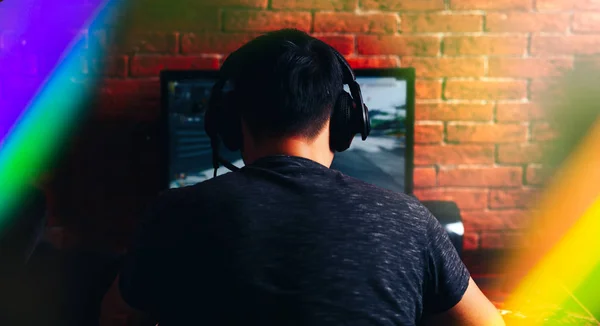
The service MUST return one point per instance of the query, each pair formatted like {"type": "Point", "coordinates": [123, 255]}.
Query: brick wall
{"type": "Point", "coordinates": [481, 66]}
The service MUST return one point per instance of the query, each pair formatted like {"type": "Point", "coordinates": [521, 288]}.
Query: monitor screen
{"type": "Point", "coordinates": [384, 159]}
{"type": "Point", "coordinates": [381, 159]}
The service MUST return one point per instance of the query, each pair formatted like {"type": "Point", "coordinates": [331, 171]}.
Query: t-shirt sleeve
{"type": "Point", "coordinates": [447, 276]}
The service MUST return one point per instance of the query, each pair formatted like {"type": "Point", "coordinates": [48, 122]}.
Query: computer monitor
{"type": "Point", "coordinates": [385, 159]}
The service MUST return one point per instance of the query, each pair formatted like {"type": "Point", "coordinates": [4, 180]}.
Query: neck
{"type": "Point", "coordinates": [316, 150]}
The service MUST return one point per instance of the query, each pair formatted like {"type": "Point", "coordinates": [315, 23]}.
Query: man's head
{"type": "Point", "coordinates": [286, 84]}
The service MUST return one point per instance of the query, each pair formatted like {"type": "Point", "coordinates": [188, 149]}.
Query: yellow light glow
{"type": "Point", "coordinates": [567, 233]}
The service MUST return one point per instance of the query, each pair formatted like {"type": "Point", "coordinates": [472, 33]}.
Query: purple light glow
{"type": "Point", "coordinates": [36, 35]}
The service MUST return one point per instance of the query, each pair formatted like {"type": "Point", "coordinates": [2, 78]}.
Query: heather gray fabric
{"type": "Point", "coordinates": [287, 241]}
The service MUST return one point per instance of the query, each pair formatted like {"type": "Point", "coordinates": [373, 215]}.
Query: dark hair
{"type": "Point", "coordinates": [286, 83]}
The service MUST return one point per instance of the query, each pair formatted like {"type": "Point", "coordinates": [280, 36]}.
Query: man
{"type": "Point", "coordinates": [286, 240]}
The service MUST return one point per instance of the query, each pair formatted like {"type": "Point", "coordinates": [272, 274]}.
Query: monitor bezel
{"type": "Point", "coordinates": [407, 74]}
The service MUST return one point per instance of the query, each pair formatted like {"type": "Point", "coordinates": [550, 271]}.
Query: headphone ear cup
{"type": "Point", "coordinates": [341, 123]}
{"type": "Point", "coordinates": [230, 124]}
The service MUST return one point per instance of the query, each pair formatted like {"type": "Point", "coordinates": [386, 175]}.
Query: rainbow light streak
{"type": "Point", "coordinates": [571, 242]}
{"type": "Point", "coordinates": [38, 117]}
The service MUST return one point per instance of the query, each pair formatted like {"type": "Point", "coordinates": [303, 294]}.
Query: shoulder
{"type": "Point", "coordinates": [391, 199]}
{"type": "Point", "coordinates": [204, 191]}
{"type": "Point", "coordinates": [174, 210]}
{"type": "Point", "coordinates": [400, 208]}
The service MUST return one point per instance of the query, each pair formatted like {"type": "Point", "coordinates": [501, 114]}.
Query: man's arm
{"type": "Point", "coordinates": [452, 297]}
{"type": "Point", "coordinates": [474, 309]}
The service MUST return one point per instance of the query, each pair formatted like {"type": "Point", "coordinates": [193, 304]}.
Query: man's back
{"type": "Point", "coordinates": [287, 241]}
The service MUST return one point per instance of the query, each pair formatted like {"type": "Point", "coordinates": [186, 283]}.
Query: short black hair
{"type": "Point", "coordinates": [286, 83]}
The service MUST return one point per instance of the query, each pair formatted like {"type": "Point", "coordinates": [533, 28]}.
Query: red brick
{"type": "Point", "coordinates": [128, 97]}
{"type": "Point", "coordinates": [485, 45]}
{"type": "Point", "coordinates": [572, 44]}
{"type": "Point", "coordinates": [542, 131]}
{"type": "Point", "coordinates": [550, 92]}
{"type": "Point", "coordinates": [398, 45]}
{"type": "Point", "coordinates": [150, 65]}
{"type": "Point", "coordinates": [158, 42]}
{"type": "Point", "coordinates": [454, 111]}
{"type": "Point", "coordinates": [126, 87]}
{"type": "Point", "coordinates": [480, 177]}
{"type": "Point", "coordinates": [265, 21]}
{"type": "Point", "coordinates": [343, 43]}
{"type": "Point", "coordinates": [237, 3]}
{"type": "Point", "coordinates": [428, 89]}
{"type": "Point", "coordinates": [465, 199]}
{"type": "Point", "coordinates": [453, 154]}
{"type": "Point", "coordinates": [486, 90]}
{"type": "Point", "coordinates": [526, 22]}
{"type": "Point", "coordinates": [424, 177]}
{"type": "Point", "coordinates": [345, 22]}
{"type": "Point", "coordinates": [537, 112]}
{"type": "Point", "coordinates": [587, 4]}
{"type": "Point", "coordinates": [167, 15]}
{"type": "Point", "coordinates": [111, 66]}
{"type": "Point", "coordinates": [529, 67]}
{"type": "Point", "coordinates": [445, 67]}
{"type": "Point", "coordinates": [373, 62]}
{"type": "Point", "coordinates": [504, 240]}
{"type": "Point", "coordinates": [491, 5]}
{"type": "Point", "coordinates": [470, 241]}
{"type": "Point", "coordinates": [555, 4]}
{"type": "Point", "coordinates": [514, 198]}
{"type": "Point", "coordinates": [513, 112]}
{"type": "Point", "coordinates": [586, 22]}
{"type": "Point", "coordinates": [345, 5]}
{"type": "Point", "coordinates": [428, 23]}
{"type": "Point", "coordinates": [403, 5]}
{"type": "Point", "coordinates": [541, 90]}
{"type": "Point", "coordinates": [536, 175]}
{"type": "Point", "coordinates": [429, 133]}
{"type": "Point", "coordinates": [568, 5]}
{"type": "Point", "coordinates": [214, 42]}
{"type": "Point", "coordinates": [486, 133]}
{"type": "Point", "coordinates": [520, 153]}
{"type": "Point", "coordinates": [500, 220]}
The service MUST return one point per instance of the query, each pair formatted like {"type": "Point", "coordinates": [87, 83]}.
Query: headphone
{"type": "Point", "coordinates": [222, 120]}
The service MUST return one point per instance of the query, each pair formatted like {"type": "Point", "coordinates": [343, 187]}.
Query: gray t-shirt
{"type": "Point", "coordinates": [287, 241]}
